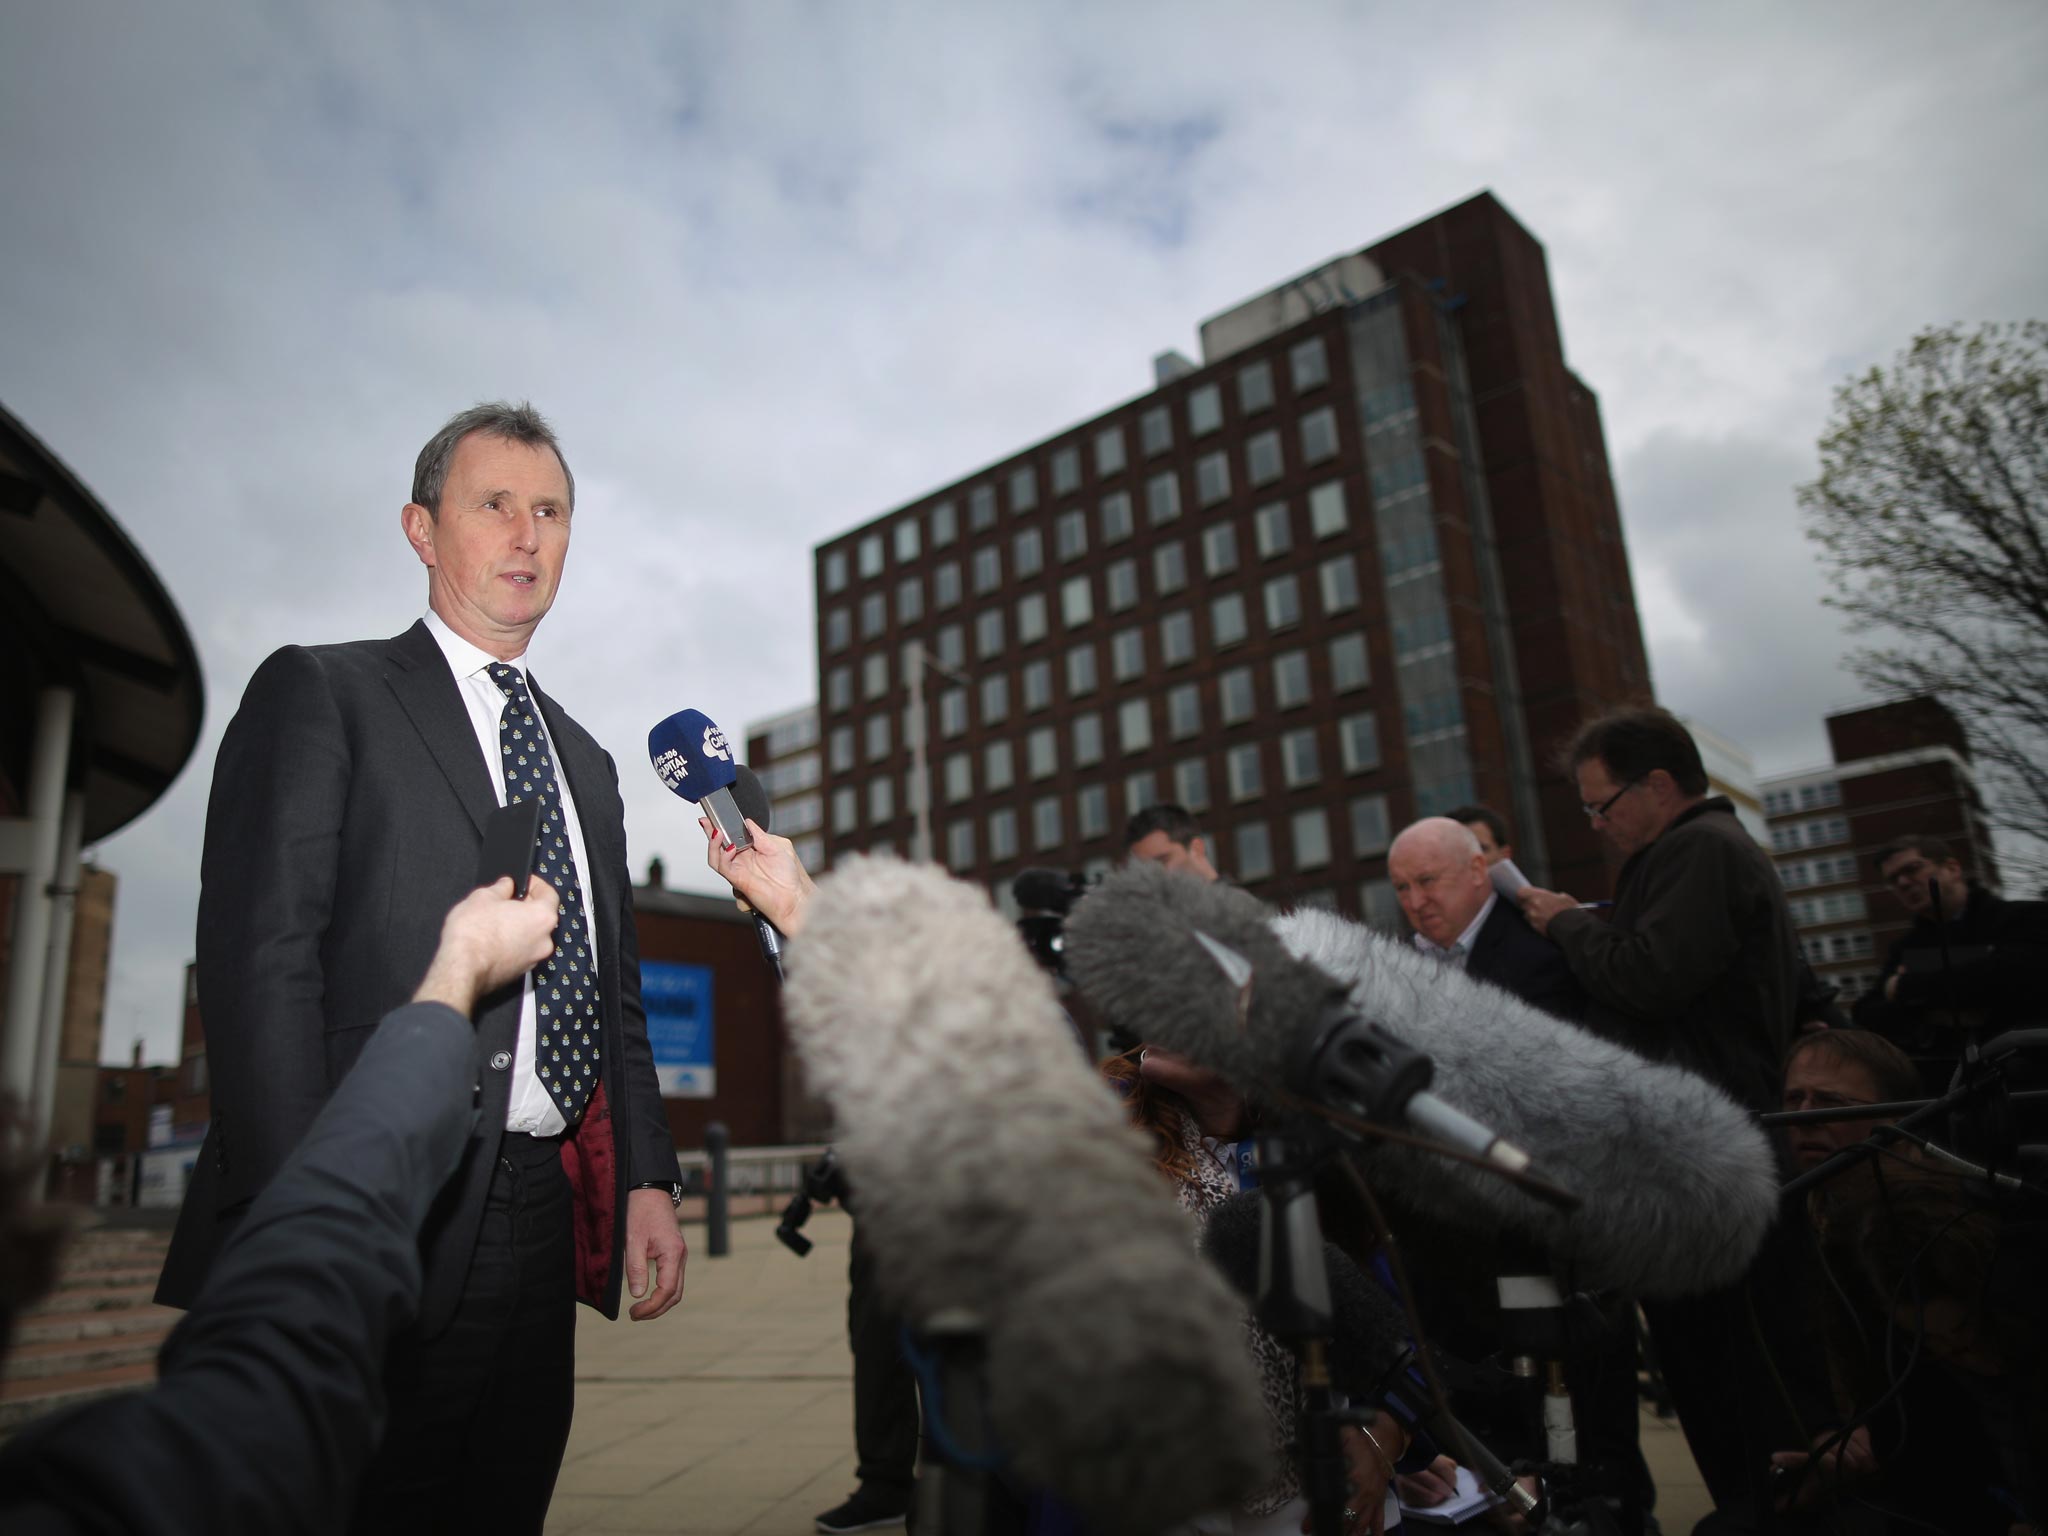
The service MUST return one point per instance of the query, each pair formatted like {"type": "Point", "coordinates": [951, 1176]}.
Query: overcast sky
{"type": "Point", "coordinates": [774, 269]}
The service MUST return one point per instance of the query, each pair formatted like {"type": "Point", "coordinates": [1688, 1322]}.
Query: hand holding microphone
{"type": "Point", "coordinates": [765, 872]}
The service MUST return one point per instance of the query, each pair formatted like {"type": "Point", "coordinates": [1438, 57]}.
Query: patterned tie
{"type": "Point", "coordinates": [564, 990]}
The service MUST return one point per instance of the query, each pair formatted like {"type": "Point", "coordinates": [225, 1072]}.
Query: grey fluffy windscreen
{"type": "Point", "coordinates": [996, 1173]}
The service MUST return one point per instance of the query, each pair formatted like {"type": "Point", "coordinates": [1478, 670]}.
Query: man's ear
{"type": "Point", "coordinates": [418, 524]}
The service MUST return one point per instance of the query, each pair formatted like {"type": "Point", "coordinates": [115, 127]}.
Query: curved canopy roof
{"type": "Point", "coordinates": [86, 611]}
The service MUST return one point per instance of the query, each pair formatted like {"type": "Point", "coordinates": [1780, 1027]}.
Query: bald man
{"type": "Point", "coordinates": [1439, 873]}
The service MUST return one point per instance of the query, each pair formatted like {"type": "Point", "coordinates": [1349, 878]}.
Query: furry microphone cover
{"type": "Point", "coordinates": [1678, 1185]}
{"type": "Point", "coordinates": [996, 1172]}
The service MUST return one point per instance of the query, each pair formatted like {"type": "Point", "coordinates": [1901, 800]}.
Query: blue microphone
{"type": "Point", "coordinates": [691, 755]}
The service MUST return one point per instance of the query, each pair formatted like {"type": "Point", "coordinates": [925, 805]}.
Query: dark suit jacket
{"type": "Point", "coordinates": [1511, 955]}
{"type": "Point", "coordinates": [345, 819]}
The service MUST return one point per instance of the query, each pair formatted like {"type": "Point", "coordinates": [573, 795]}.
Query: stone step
{"type": "Point", "coordinates": [21, 1401]}
{"type": "Point", "coordinates": [98, 1323]}
{"type": "Point", "coordinates": [66, 1357]}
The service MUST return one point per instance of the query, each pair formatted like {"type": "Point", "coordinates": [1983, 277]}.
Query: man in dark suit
{"type": "Point", "coordinates": [1439, 874]}
{"type": "Point", "coordinates": [346, 815]}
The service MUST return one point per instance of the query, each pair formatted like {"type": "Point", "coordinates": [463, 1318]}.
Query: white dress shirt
{"type": "Point", "coordinates": [532, 1109]}
{"type": "Point", "coordinates": [1461, 951]}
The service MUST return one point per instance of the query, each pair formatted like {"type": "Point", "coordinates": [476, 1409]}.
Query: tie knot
{"type": "Point", "coordinates": [509, 682]}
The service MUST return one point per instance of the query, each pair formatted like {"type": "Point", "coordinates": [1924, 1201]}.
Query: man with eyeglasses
{"type": "Point", "coordinates": [1697, 963]}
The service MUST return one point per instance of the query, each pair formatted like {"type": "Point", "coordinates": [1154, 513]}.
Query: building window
{"type": "Point", "coordinates": [1114, 517]}
{"type": "Point", "coordinates": [845, 809]}
{"type": "Point", "coordinates": [950, 646]}
{"type": "Point", "coordinates": [1077, 601]}
{"type": "Point", "coordinates": [1177, 637]}
{"type": "Point", "coordinates": [906, 541]}
{"type": "Point", "coordinates": [988, 569]}
{"type": "Point", "coordinates": [959, 777]}
{"type": "Point", "coordinates": [839, 749]}
{"type": "Point", "coordinates": [988, 633]}
{"type": "Point", "coordinates": [1091, 808]}
{"type": "Point", "coordinates": [1002, 835]}
{"type": "Point", "coordinates": [1027, 553]}
{"type": "Point", "coordinates": [1042, 753]}
{"type": "Point", "coordinates": [1219, 549]}
{"type": "Point", "coordinates": [981, 509]}
{"type": "Point", "coordinates": [1326, 513]}
{"type": "Point", "coordinates": [1205, 410]}
{"type": "Point", "coordinates": [876, 729]}
{"type": "Point", "coordinates": [1319, 436]}
{"type": "Point", "coordinates": [1242, 773]}
{"type": "Point", "coordinates": [1283, 602]}
{"type": "Point", "coordinates": [1066, 470]}
{"type": "Point", "coordinates": [946, 584]}
{"type": "Point", "coordinates": [1120, 582]}
{"type": "Point", "coordinates": [960, 845]}
{"type": "Point", "coordinates": [1254, 851]}
{"type": "Point", "coordinates": [1162, 497]}
{"type": "Point", "coordinates": [1349, 667]}
{"type": "Point", "coordinates": [839, 689]}
{"type": "Point", "coordinates": [1380, 907]}
{"type": "Point", "coordinates": [1184, 711]}
{"type": "Point", "coordinates": [835, 571]}
{"type": "Point", "coordinates": [1087, 739]}
{"type": "Point", "coordinates": [881, 800]}
{"type": "Point", "coordinates": [1358, 742]}
{"type": "Point", "coordinates": [1155, 430]}
{"type": "Point", "coordinates": [1300, 763]}
{"type": "Point", "coordinates": [1311, 830]}
{"type": "Point", "coordinates": [945, 524]}
{"type": "Point", "coordinates": [1169, 567]}
{"type": "Point", "coordinates": [1338, 577]}
{"type": "Point", "coordinates": [953, 712]}
{"type": "Point", "coordinates": [874, 615]}
{"type": "Point", "coordinates": [1212, 478]}
{"type": "Point", "coordinates": [1134, 725]}
{"type": "Point", "coordinates": [1023, 489]}
{"type": "Point", "coordinates": [1234, 695]}
{"type": "Point", "coordinates": [1109, 450]}
{"type": "Point", "coordinates": [1070, 535]}
{"type": "Point", "coordinates": [1370, 831]}
{"type": "Point", "coordinates": [1037, 685]}
{"type": "Point", "coordinates": [998, 767]}
{"type": "Point", "coordinates": [1272, 530]}
{"type": "Point", "coordinates": [1031, 621]}
{"type": "Point", "coordinates": [1262, 458]}
{"type": "Point", "coordinates": [1191, 783]}
{"type": "Point", "coordinates": [995, 698]}
{"type": "Point", "coordinates": [1081, 670]}
{"type": "Point", "coordinates": [1226, 620]}
{"type": "Point", "coordinates": [1126, 654]}
{"type": "Point", "coordinates": [1307, 365]}
{"type": "Point", "coordinates": [1254, 386]}
{"type": "Point", "coordinates": [1290, 679]}
{"type": "Point", "coordinates": [871, 555]}
{"type": "Point", "coordinates": [1045, 823]}
{"type": "Point", "coordinates": [909, 600]}
{"type": "Point", "coordinates": [874, 675]}
{"type": "Point", "coordinates": [1140, 790]}
{"type": "Point", "coordinates": [838, 629]}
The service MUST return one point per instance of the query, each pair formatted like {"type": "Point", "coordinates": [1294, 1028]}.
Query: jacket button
{"type": "Point", "coordinates": [501, 1061]}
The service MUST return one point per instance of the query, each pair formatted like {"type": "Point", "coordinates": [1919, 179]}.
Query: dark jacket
{"type": "Point", "coordinates": [1509, 954]}
{"type": "Point", "coordinates": [1698, 963]}
{"type": "Point", "coordinates": [1996, 953]}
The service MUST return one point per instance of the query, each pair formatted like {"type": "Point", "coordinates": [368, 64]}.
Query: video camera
{"type": "Point", "coordinates": [1047, 896]}
{"type": "Point", "coordinates": [823, 1182]}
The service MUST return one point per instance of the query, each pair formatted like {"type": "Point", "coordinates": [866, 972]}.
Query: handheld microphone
{"type": "Point", "coordinates": [752, 800]}
{"type": "Point", "coordinates": [691, 755]}
{"type": "Point", "coordinates": [1677, 1185]}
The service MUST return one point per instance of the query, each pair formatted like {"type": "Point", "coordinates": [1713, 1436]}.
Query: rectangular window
{"type": "Point", "coordinates": [1126, 654]}
{"type": "Point", "coordinates": [845, 809]}
{"type": "Point", "coordinates": [959, 777]}
{"type": "Point", "coordinates": [1031, 623]}
{"type": "Point", "coordinates": [1177, 637]}
{"type": "Point", "coordinates": [1219, 549]}
{"type": "Point", "coordinates": [877, 731]}
{"type": "Point", "coordinates": [1226, 620]}
{"type": "Point", "coordinates": [1273, 530]}
{"type": "Point", "coordinates": [907, 540]}
{"type": "Point", "coordinates": [988, 633]}
{"type": "Point", "coordinates": [1070, 535]}
{"type": "Point", "coordinates": [1027, 553]}
{"type": "Point", "coordinates": [1114, 517]}
{"type": "Point", "coordinates": [981, 509]}
{"type": "Point", "coordinates": [1087, 739]}
{"type": "Point", "coordinates": [1307, 364]}
{"type": "Point", "coordinates": [1184, 711]}
{"type": "Point", "coordinates": [1262, 458]}
{"type": "Point", "coordinates": [839, 749]}
{"type": "Point", "coordinates": [1162, 497]}
{"type": "Point", "coordinates": [1370, 831]}
{"type": "Point", "coordinates": [951, 646]}
{"type": "Point", "coordinates": [1300, 763]}
{"type": "Point", "coordinates": [1358, 742]}
{"type": "Point", "coordinates": [1002, 835]}
{"type": "Point", "coordinates": [1037, 685]}
{"type": "Point", "coordinates": [1338, 577]}
{"type": "Point", "coordinates": [1212, 478]}
{"type": "Point", "coordinates": [1042, 753]}
{"type": "Point", "coordinates": [1140, 790]}
{"type": "Point", "coordinates": [835, 571]}
{"type": "Point", "coordinates": [1109, 450]}
{"type": "Point", "coordinates": [1311, 832]}
{"type": "Point", "coordinates": [1169, 567]}
{"type": "Point", "coordinates": [1290, 679]}
{"type": "Point", "coordinates": [874, 675]}
{"type": "Point", "coordinates": [945, 524]}
{"type": "Point", "coordinates": [1234, 695]}
{"type": "Point", "coordinates": [1349, 667]}
{"type": "Point", "coordinates": [959, 845]}
{"type": "Point", "coordinates": [1081, 670]}
{"type": "Point", "coordinates": [1254, 386]}
{"type": "Point", "coordinates": [1091, 810]}
{"type": "Point", "coordinates": [1326, 513]}
{"type": "Point", "coordinates": [1205, 410]}
{"type": "Point", "coordinates": [1191, 783]}
{"type": "Point", "coordinates": [1077, 601]}
{"type": "Point", "coordinates": [909, 599]}
{"type": "Point", "coordinates": [1319, 436]}
{"type": "Point", "coordinates": [881, 800]}
{"type": "Point", "coordinates": [1242, 772]}
{"type": "Point", "coordinates": [871, 555]}
{"type": "Point", "coordinates": [1045, 823]}
{"type": "Point", "coordinates": [1254, 851]}
{"type": "Point", "coordinates": [1283, 602]}
{"type": "Point", "coordinates": [874, 615]}
{"type": "Point", "coordinates": [1023, 488]}
{"type": "Point", "coordinates": [953, 712]}
{"type": "Point", "coordinates": [995, 698]}
{"type": "Point", "coordinates": [1134, 725]}
{"type": "Point", "coordinates": [946, 584]}
{"type": "Point", "coordinates": [1155, 430]}
{"type": "Point", "coordinates": [838, 629]}
{"type": "Point", "coordinates": [1120, 582]}
{"type": "Point", "coordinates": [839, 689]}
{"type": "Point", "coordinates": [988, 569]}
{"type": "Point", "coordinates": [1066, 470]}
{"type": "Point", "coordinates": [998, 767]}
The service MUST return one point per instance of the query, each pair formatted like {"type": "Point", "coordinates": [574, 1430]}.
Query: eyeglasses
{"type": "Point", "coordinates": [1914, 873]}
{"type": "Point", "coordinates": [1599, 812]}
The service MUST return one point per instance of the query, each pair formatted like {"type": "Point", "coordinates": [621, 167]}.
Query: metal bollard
{"type": "Point", "coordinates": [718, 1198]}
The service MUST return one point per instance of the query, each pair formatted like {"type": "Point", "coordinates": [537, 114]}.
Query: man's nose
{"type": "Point", "coordinates": [525, 530]}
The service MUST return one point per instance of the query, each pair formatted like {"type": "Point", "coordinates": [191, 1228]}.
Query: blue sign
{"type": "Point", "coordinates": [678, 1003]}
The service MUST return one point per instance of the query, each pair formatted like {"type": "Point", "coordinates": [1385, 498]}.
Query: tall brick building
{"type": "Point", "coordinates": [1362, 563]}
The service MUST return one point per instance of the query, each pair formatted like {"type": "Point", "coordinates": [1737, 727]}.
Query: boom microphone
{"type": "Point", "coordinates": [998, 1175]}
{"type": "Point", "coordinates": [691, 755]}
{"type": "Point", "coordinates": [1677, 1186]}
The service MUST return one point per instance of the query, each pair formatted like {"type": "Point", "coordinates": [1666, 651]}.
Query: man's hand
{"type": "Point", "coordinates": [1891, 984]}
{"type": "Point", "coordinates": [1432, 1485]}
{"type": "Point", "coordinates": [1540, 906]}
{"type": "Point", "coordinates": [655, 1253]}
{"type": "Point", "coordinates": [1851, 1462]}
{"type": "Point", "coordinates": [769, 875]}
{"type": "Point", "coordinates": [487, 939]}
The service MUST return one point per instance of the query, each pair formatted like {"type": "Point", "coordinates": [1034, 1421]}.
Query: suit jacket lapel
{"type": "Point", "coordinates": [426, 689]}
{"type": "Point", "coordinates": [1490, 936]}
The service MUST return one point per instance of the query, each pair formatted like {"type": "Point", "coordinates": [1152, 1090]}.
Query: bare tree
{"type": "Point", "coordinates": [1931, 512]}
